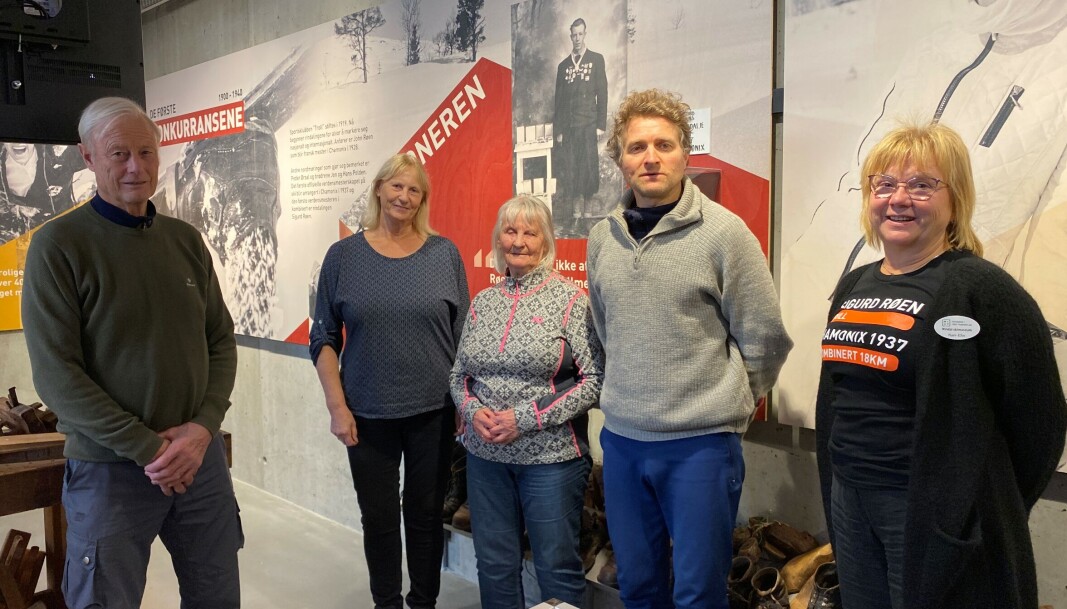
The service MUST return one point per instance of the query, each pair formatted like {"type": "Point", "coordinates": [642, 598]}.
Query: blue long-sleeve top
{"type": "Point", "coordinates": [399, 321]}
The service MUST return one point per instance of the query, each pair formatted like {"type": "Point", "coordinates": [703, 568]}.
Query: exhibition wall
{"type": "Point", "coordinates": [279, 422]}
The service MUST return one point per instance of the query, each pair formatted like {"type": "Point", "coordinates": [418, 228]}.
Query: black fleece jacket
{"type": "Point", "coordinates": [990, 424]}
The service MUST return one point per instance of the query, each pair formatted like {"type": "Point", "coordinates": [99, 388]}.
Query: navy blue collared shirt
{"type": "Point", "coordinates": [120, 216]}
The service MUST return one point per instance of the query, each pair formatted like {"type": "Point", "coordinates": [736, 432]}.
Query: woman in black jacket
{"type": "Point", "coordinates": [940, 416]}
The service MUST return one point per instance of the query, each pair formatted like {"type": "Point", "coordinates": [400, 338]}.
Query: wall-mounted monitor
{"type": "Point", "coordinates": [56, 56]}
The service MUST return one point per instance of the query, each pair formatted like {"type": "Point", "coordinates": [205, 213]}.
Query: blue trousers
{"type": "Point", "coordinates": [548, 498]}
{"type": "Point", "coordinates": [685, 491]}
{"type": "Point", "coordinates": [113, 516]}
{"type": "Point", "coordinates": [869, 545]}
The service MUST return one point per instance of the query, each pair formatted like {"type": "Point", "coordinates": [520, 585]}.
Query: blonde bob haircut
{"type": "Point", "coordinates": [650, 103]}
{"type": "Point", "coordinates": [394, 165]}
{"type": "Point", "coordinates": [927, 145]}
{"type": "Point", "coordinates": [535, 213]}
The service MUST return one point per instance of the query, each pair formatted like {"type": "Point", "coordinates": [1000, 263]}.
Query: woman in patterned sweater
{"type": "Point", "coordinates": [529, 366]}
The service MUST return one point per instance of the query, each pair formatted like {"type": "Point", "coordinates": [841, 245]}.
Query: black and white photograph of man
{"type": "Point", "coordinates": [578, 124]}
{"type": "Point", "coordinates": [560, 105]}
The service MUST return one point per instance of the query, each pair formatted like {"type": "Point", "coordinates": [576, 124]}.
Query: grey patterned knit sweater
{"type": "Point", "coordinates": [689, 319]}
{"type": "Point", "coordinates": [519, 338]}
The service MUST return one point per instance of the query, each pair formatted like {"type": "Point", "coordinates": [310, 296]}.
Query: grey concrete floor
{"type": "Point", "coordinates": [292, 559]}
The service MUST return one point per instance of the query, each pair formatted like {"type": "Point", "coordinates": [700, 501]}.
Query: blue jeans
{"type": "Point", "coordinates": [869, 545]}
{"type": "Point", "coordinates": [549, 499]}
{"type": "Point", "coordinates": [684, 490]}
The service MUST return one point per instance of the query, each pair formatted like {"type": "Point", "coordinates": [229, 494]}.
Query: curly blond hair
{"type": "Point", "coordinates": [650, 103]}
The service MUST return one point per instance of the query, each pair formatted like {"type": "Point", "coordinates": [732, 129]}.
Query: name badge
{"type": "Point", "coordinates": [957, 327]}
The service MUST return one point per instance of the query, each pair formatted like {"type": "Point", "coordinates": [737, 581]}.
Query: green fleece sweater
{"type": "Point", "coordinates": [689, 320]}
{"type": "Point", "coordinates": [127, 332]}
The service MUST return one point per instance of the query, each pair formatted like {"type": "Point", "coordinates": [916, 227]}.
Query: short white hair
{"type": "Point", "coordinates": [533, 211]}
{"type": "Point", "coordinates": [98, 115]}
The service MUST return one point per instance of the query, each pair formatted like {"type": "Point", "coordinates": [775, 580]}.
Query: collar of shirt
{"type": "Point", "coordinates": [641, 220]}
{"type": "Point", "coordinates": [121, 217]}
{"type": "Point", "coordinates": [530, 280]}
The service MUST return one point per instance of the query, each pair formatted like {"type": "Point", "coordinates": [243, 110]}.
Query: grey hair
{"type": "Point", "coordinates": [533, 211]}
{"type": "Point", "coordinates": [98, 115]}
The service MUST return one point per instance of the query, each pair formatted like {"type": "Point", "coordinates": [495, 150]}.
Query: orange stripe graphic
{"type": "Point", "coordinates": [863, 357]}
{"type": "Point", "coordinates": [900, 321]}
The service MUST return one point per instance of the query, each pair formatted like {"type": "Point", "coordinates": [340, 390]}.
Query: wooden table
{"type": "Point", "coordinates": [31, 474]}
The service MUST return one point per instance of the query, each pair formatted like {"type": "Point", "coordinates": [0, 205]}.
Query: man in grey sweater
{"type": "Point", "coordinates": [684, 304]}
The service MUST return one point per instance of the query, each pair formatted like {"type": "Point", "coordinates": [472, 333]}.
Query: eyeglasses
{"type": "Point", "coordinates": [919, 188]}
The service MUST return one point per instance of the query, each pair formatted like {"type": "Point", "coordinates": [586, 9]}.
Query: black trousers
{"type": "Point", "coordinates": [424, 443]}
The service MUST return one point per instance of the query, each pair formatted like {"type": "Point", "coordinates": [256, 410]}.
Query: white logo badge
{"type": "Point", "coordinates": [957, 327]}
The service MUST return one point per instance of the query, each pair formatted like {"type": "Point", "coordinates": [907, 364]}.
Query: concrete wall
{"type": "Point", "coordinates": [279, 421]}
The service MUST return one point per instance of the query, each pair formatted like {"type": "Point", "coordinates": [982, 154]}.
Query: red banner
{"type": "Point", "coordinates": [204, 124]}
{"type": "Point", "coordinates": [466, 148]}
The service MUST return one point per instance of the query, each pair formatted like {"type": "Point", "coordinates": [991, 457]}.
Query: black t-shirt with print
{"type": "Point", "coordinates": [870, 347]}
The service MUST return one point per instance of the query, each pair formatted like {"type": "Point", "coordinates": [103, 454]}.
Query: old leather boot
{"type": "Point", "coordinates": [825, 592]}
{"type": "Point", "coordinates": [592, 538]}
{"type": "Point", "coordinates": [750, 549]}
{"type": "Point", "coordinates": [740, 536]}
{"type": "Point", "coordinates": [788, 539]}
{"type": "Point", "coordinates": [609, 573]}
{"type": "Point", "coordinates": [456, 495]}
{"type": "Point", "coordinates": [768, 590]}
{"type": "Point", "coordinates": [594, 489]}
{"type": "Point", "coordinates": [801, 568]}
{"type": "Point", "coordinates": [739, 582]}
{"type": "Point", "coordinates": [462, 518]}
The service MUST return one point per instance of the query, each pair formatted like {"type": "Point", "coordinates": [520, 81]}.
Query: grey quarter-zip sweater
{"type": "Point", "coordinates": [689, 320]}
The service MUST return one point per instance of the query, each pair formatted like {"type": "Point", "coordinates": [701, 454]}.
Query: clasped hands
{"type": "Point", "coordinates": [495, 427]}
{"type": "Point", "coordinates": [178, 460]}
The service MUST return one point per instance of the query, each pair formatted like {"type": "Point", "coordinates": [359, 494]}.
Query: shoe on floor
{"type": "Point", "coordinates": [609, 573]}
{"type": "Point", "coordinates": [739, 582]}
{"type": "Point", "coordinates": [798, 571]}
{"type": "Point", "coordinates": [825, 590]}
{"type": "Point", "coordinates": [768, 590]}
{"type": "Point", "coordinates": [462, 518]}
{"type": "Point", "coordinates": [456, 495]}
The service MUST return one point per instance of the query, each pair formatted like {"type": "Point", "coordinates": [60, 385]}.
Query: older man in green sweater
{"type": "Point", "coordinates": [132, 346]}
{"type": "Point", "coordinates": [688, 315]}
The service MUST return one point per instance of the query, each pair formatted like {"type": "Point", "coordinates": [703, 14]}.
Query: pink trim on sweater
{"type": "Point", "coordinates": [467, 397]}
{"type": "Point", "coordinates": [511, 319]}
{"type": "Point", "coordinates": [567, 312]}
{"type": "Point", "coordinates": [515, 306]}
{"type": "Point", "coordinates": [574, 438]}
{"type": "Point", "coordinates": [576, 387]}
{"type": "Point", "coordinates": [562, 397]}
{"type": "Point", "coordinates": [559, 364]}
